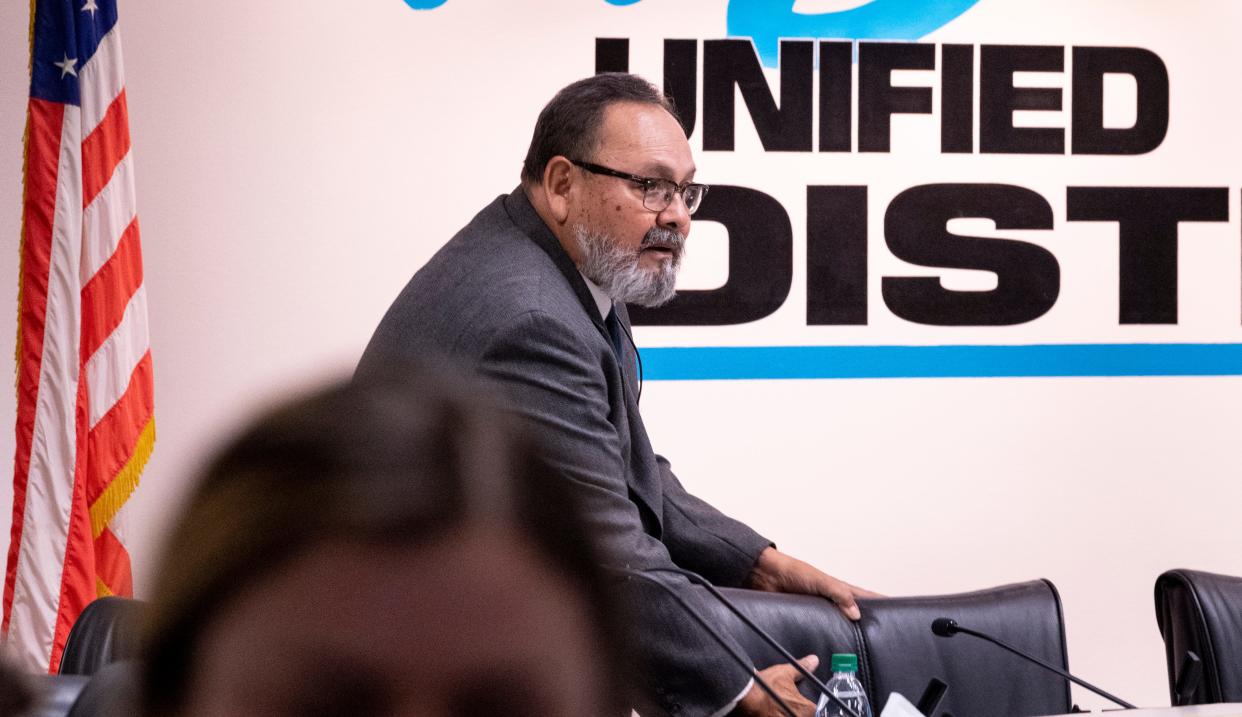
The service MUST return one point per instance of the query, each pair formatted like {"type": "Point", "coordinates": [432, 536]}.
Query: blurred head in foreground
{"type": "Point", "coordinates": [387, 547]}
{"type": "Point", "coordinates": [16, 692]}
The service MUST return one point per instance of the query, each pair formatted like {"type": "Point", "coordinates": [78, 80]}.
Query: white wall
{"type": "Point", "coordinates": [296, 162]}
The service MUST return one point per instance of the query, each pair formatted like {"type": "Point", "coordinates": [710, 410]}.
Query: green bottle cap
{"type": "Point", "coordinates": [845, 662]}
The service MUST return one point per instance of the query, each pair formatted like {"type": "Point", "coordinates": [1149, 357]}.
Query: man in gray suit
{"type": "Point", "coordinates": [531, 294]}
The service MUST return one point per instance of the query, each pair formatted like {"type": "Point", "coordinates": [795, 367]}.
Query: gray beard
{"type": "Point", "coordinates": [616, 270]}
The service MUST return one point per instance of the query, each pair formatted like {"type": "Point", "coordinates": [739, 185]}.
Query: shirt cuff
{"type": "Point", "coordinates": [729, 707]}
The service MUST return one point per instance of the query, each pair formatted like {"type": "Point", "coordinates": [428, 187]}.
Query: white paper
{"type": "Point", "coordinates": [898, 706]}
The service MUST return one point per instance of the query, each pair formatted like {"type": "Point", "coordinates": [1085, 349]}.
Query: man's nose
{"type": "Point", "coordinates": [675, 216]}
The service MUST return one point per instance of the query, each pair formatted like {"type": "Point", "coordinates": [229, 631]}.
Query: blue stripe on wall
{"type": "Point", "coordinates": [701, 363]}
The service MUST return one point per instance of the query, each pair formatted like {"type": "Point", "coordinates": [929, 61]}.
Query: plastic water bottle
{"type": "Point", "coordinates": [845, 685]}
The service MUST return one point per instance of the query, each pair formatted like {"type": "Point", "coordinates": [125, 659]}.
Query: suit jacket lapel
{"type": "Point", "coordinates": [646, 484]}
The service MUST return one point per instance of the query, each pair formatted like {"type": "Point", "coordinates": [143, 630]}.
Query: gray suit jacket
{"type": "Point", "coordinates": [503, 299]}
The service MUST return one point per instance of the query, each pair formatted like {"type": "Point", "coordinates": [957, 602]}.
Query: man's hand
{"type": "Point", "coordinates": [779, 573]}
{"type": "Point", "coordinates": [781, 678]}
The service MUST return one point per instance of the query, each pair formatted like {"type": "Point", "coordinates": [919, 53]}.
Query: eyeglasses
{"type": "Point", "coordinates": [657, 193]}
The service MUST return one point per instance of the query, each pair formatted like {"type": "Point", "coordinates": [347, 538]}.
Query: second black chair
{"type": "Point", "coordinates": [902, 655]}
{"type": "Point", "coordinates": [1201, 612]}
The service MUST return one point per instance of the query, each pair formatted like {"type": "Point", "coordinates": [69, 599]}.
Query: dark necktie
{"type": "Point", "coordinates": [613, 325]}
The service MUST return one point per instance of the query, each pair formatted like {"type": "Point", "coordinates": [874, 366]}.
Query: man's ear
{"type": "Point", "coordinates": [558, 184]}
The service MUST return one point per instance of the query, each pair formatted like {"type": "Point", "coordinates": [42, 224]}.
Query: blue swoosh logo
{"type": "Point", "coordinates": [433, 4]}
{"type": "Point", "coordinates": [767, 21]}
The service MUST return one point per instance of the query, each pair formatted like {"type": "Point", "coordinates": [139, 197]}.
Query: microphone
{"type": "Point", "coordinates": [698, 617]}
{"type": "Point", "coordinates": [944, 627]}
{"type": "Point", "coordinates": [948, 627]}
{"type": "Point", "coordinates": [771, 641]}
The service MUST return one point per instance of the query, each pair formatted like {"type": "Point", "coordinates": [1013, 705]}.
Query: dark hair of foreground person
{"type": "Point", "coordinates": [376, 547]}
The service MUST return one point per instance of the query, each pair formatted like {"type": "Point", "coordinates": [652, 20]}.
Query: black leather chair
{"type": "Point", "coordinates": [902, 655]}
{"type": "Point", "coordinates": [1202, 612]}
{"type": "Point", "coordinates": [897, 651]}
{"type": "Point", "coordinates": [106, 631]}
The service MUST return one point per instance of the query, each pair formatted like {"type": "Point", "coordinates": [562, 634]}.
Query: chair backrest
{"type": "Point", "coordinates": [106, 631]}
{"type": "Point", "coordinates": [901, 654]}
{"type": "Point", "coordinates": [1202, 612]}
{"type": "Point", "coordinates": [897, 651]}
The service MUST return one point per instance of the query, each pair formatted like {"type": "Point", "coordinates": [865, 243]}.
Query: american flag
{"type": "Point", "coordinates": [84, 383]}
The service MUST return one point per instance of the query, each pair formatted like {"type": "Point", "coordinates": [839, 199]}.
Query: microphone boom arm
{"type": "Point", "coordinates": [954, 627]}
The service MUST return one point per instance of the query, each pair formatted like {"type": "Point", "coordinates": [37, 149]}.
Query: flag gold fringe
{"type": "Point", "coordinates": [21, 240]}
{"type": "Point", "coordinates": [105, 507]}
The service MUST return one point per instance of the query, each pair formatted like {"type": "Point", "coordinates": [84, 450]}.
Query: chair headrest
{"type": "Point", "coordinates": [106, 631]}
